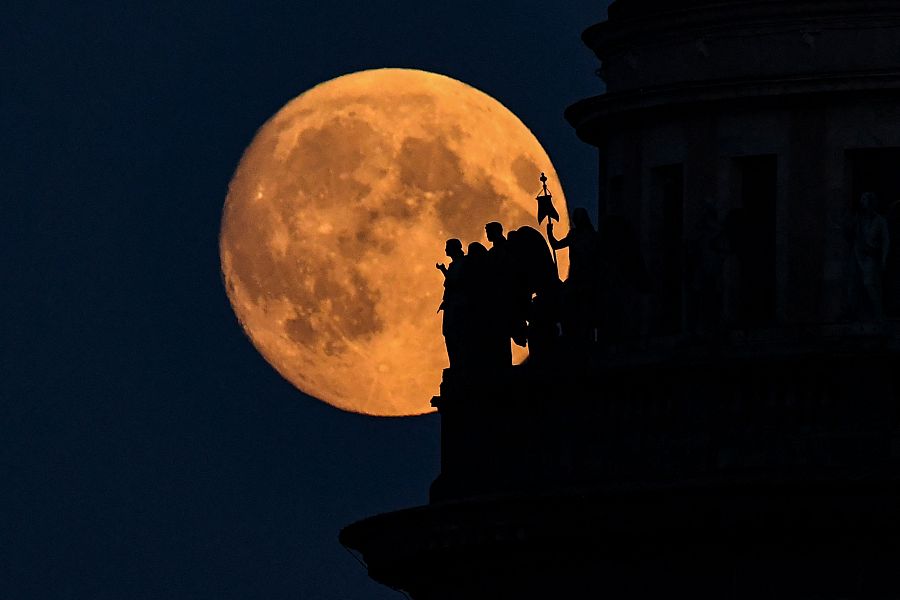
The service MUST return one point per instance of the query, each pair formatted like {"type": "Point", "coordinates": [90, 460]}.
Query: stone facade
{"type": "Point", "coordinates": [804, 93]}
{"type": "Point", "coordinates": [743, 439]}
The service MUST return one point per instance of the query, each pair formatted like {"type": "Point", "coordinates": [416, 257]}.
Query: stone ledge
{"type": "Point", "coordinates": [589, 115]}
{"type": "Point", "coordinates": [749, 527]}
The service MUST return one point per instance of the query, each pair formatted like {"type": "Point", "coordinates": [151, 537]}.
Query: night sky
{"type": "Point", "coordinates": [146, 449]}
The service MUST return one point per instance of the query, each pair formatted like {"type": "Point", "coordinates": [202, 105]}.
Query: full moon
{"type": "Point", "coordinates": [338, 212]}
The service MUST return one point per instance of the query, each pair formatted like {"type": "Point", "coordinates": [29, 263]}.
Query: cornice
{"type": "Point", "coordinates": [589, 114]}
{"type": "Point", "coordinates": [736, 18]}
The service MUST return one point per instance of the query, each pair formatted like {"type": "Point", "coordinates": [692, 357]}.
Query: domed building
{"type": "Point", "coordinates": [739, 436]}
{"type": "Point", "coordinates": [784, 110]}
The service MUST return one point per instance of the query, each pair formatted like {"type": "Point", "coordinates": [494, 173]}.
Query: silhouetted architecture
{"type": "Point", "coordinates": [738, 433]}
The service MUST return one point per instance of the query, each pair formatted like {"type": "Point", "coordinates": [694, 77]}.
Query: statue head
{"type": "Point", "coordinates": [868, 202]}
{"type": "Point", "coordinates": [453, 249]}
{"type": "Point", "coordinates": [494, 232]}
{"type": "Point", "coordinates": [477, 249]}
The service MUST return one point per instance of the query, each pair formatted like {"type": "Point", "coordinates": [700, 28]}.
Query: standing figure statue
{"type": "Point", "coordinates": [509, 315]}
{"type": "Point", "coordinates": [580, 290]}
{"type": "Point", "coordinates": [454, 303]}
{"type": "Point", "coordinates": [482, 338]}
{"type": "Point", "coordinates": [869, 250]}
{"type": "Point", "coordinates": [536, 290]}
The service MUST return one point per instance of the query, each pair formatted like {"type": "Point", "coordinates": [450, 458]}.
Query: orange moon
{"type": "Point", "coordinates": [338, 212]}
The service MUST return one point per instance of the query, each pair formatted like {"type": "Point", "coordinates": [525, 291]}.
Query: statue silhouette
{"type": "Point", "coordinates": [536, 290]}
{"type": "Point", "coordinates": [453, 304]}
{"type": "Point", "coordinates": [508, 318]}
{"type": "Point", "coordinates": [869, 250]}
{"type": "Point", "coordinates": [580, 291]}
{"type": "Point", "coordinates": [486, 346]}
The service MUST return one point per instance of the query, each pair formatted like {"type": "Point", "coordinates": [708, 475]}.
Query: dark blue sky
{"type": "Point", "coordinates": [146, 449]}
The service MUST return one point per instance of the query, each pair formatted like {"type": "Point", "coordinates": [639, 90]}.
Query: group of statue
{"type": "Point", "coordinates": [491, 296]}
{"type": "Point", "coordinates": [512, 291]}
